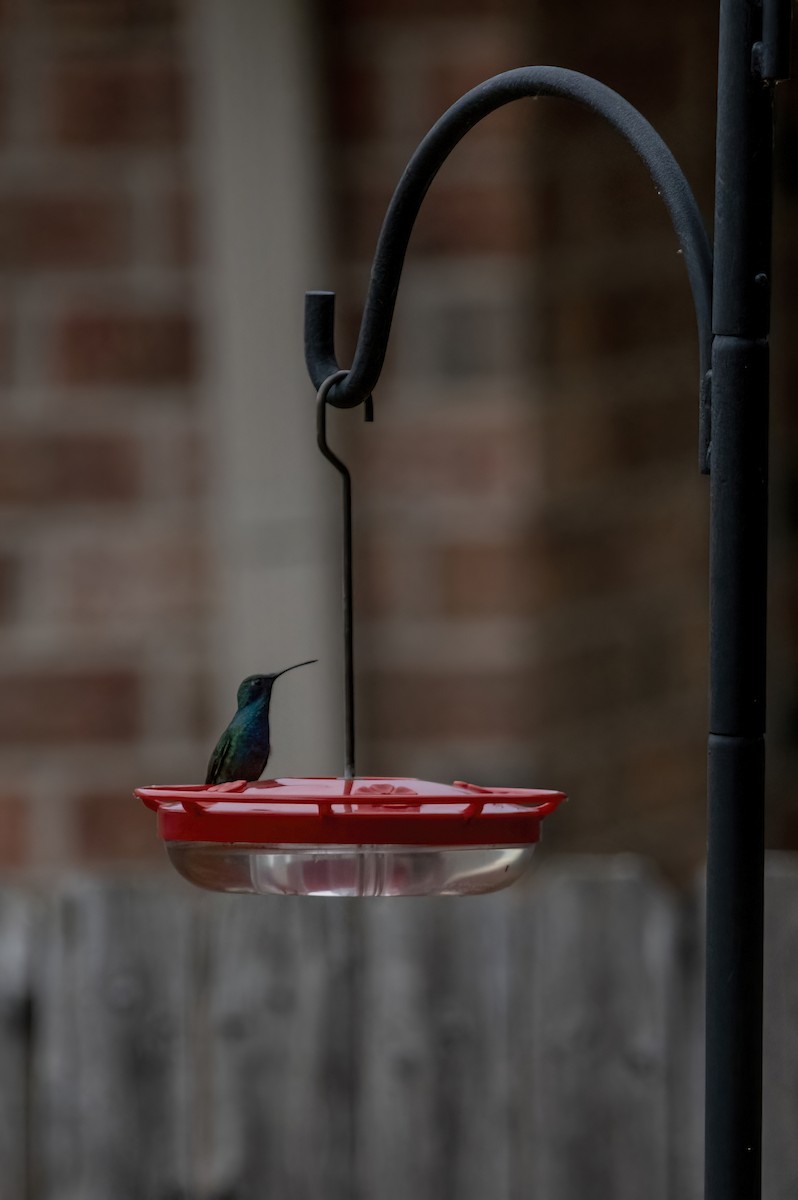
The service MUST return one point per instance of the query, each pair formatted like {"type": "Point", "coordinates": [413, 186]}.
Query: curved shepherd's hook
{"type": "Point", "coordinates": [525, 82]}
{"type": "Point", "coordinates": [346, 389]}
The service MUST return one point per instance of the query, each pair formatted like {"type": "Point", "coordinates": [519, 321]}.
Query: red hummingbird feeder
{"type": "Point", "coordinates": [349, 836]}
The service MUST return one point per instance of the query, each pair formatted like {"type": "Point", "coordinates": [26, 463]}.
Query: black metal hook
{"type": "Point", "coordinates": [346, 589]}
{"type": "Point", "coordinates": [434, 149]}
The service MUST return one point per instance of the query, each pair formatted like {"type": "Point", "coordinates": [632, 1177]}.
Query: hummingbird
{"type": "Point", "coordinates": [243, 749]}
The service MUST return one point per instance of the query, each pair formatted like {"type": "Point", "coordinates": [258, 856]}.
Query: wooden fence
{"type": "Point", "coordinates": [160, 1044]}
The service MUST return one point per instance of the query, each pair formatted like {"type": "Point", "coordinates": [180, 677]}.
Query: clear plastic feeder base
{"type": "Point", "coordinates": [350, 870]}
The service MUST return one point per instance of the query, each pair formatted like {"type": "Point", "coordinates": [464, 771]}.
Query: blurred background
{"type": "Point", "coordinates": [531, 528]}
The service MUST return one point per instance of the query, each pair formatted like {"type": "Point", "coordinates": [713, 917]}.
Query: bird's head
{"type": "Point", "coordinates": [259, 687]}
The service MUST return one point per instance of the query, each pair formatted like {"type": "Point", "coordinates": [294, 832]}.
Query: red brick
{"type": "Point", "coordinates": [57, 231]}
{"type": "Point", "coordinates": [68, 468]}
{"type": "Point", "coordinates": [645, 313]}
{"type": "Point", "coordinates": [415, 9]}
{"type": "Point", "coordinates": [125, 348]}
{"type": "Point", "coordinates": [112, 15]}
{"type": "Point", "coordinates": [590, 321]}
{"type": "Point", "coordinates": [483, 579]}
{"type": "Point", "coordinates": [391, 575]}
{"type": "Point", "coordinates": [117, 827]}
{"type": "Point", "coordinates": [593, 208]}
{"type": "Point", "coordinates": [467, 62]}
{"type": "Point", "coordinates": [466, 218]}
{"type": "Point", "coordinates": [150, 578]}
{"type": "Point", "coordinates": [596, 442]}
{"type": "Point", "coordinates": [578, 557]}
{"type": "Point", "coordinates": [629, 203]}
{"type": "Point", "coordinates": [448, 458]}
{"type": "Point", "coordinates": [9, 586]}
{"type": "Point", "coordinates": [105, 102]}
{"type": "Point", "coordinates": [489, 219]}
{"type": "Point", "coordinates": [651, 432]}
{"type": "Point", "coordinates": [15, 845]}
{"type": "Point", "coordinates": [617, 675]}
{"type": "Point", "coordinates": [568, 327]}
{"type": "Point", "coordinates": [427, 706]}
{"type": "Point", "coordinates": [48, 707]}
{"type": "Point", "coordinates": [355, 93]}
{"type": "Point", "coordinates": [647, 74]}
{"type": "Point", "coordinates": [576, 437]}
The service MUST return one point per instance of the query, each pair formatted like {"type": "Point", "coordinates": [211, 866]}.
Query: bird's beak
{"type": "Point", "coordinates": [277, 674]}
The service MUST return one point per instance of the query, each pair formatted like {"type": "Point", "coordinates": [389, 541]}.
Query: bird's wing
{"type": "Point", "coordinates": [219, 759]}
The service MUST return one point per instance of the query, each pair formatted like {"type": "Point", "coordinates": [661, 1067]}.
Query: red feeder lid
{"type": "Point", "coordinates": [368, 811]}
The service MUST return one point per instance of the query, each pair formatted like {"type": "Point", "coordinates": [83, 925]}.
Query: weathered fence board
{"type": "Point", "coordinates": [687, 1051]}
{"type": "Point", "coordinates": [280, 1043]}
{"type": "Point", "coordinates": [472, 954]}
{"type": "Point", "coordinates": [158, 1044]}
{"type": "Point", "coordinates": [16, 947]}
{"type": "Point", "coordinates": [597, 1082]}
{"type": "Point", "coordinates": [780, 1126]}
{"type": "Point", "coordinates": [111, 1064]}
{"type": "Point", "coordinates": [432, 1106]}
{"type": "Point", "coordinates": [396, 1126]}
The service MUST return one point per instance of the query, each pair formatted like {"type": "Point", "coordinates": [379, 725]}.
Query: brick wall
{"type": "Point", "coordinates": [624, 511]}
{"type": "Point", "coordinates": [533, 527]}
{"type": "Point", "coordinates": [102, 572]}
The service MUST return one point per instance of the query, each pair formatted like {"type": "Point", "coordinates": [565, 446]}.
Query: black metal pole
{"type": "Point", "coordinates": [734, 409]}
{"type": "Point", "coordinates": [738, 562]}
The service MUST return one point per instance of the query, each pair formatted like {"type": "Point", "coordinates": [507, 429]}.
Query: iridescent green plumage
{"type": "Point", "coordinates": [242, 751]}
